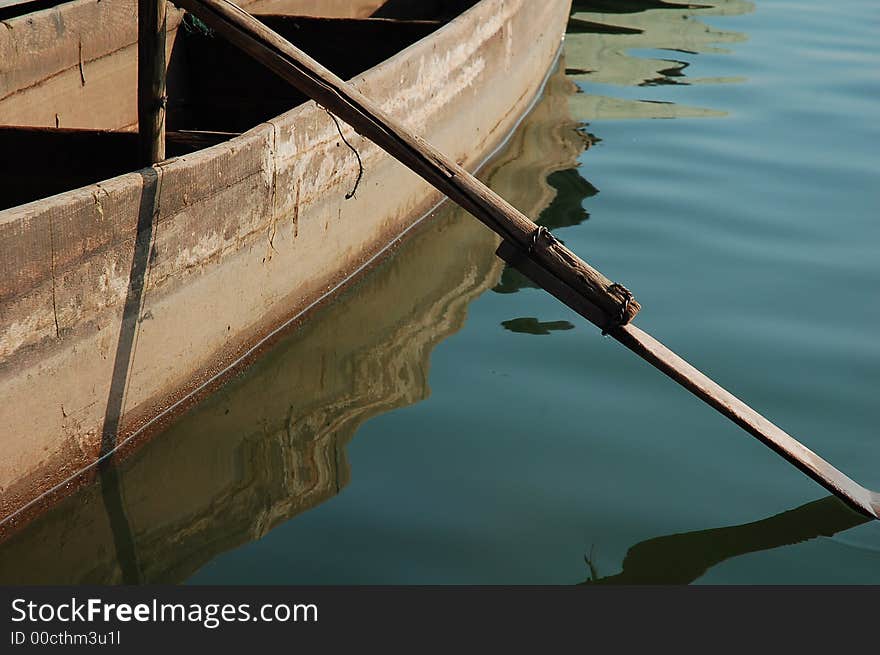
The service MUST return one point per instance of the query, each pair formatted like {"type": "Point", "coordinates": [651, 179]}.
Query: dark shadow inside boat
{"type": "Point", "coordinates": [215, 92]}
{"type": "Point", "coordinates": [22, 7]}
{"type": "Point", "coordinates": [423, 9]}
{"type": "Point", "coordinates": [213, 86]}
{"type": "Point", "coordinates": [679, 559]}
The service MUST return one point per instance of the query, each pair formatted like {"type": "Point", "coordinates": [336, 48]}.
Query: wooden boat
{"type": "Point", "coordinates": [125, 293]}
{"type": "Point", "coordinates": [276, 442]}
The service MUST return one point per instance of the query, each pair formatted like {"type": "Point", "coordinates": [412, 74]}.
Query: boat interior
{"type": "Point", "coordinates": [215, 92]}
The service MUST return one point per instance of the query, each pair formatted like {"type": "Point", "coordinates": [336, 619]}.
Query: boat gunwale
{"type": "Point", "coordinates": [249, 136]}
{"type": "Point", "coordinates": [261, 138]}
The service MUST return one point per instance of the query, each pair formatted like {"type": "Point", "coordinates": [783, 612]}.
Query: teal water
{"type": "Point", "coordinates": [752, 240]}
{"type": "Point", "coordinates": [722, 163]}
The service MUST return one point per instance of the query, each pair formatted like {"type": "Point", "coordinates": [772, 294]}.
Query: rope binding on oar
{"type": "Point", "coordinates": [621, 318]}
{"type": "Point", "coordinates": [539, 232]}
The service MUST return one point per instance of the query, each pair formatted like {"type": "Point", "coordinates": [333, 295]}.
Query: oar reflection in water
{"type": "Point", "coordinates": [683, 558]}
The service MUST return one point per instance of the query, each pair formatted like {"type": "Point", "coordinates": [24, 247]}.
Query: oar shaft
{"type": "Point", "coordinates": [659, 356]}
{"type": "Point", "coordinates": [655, 353]}
{"type": "Point", "coordinates": [541, 257]}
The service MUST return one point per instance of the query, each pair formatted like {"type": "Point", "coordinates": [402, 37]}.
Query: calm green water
{"type": "Point", "coordinates": [444, 422]}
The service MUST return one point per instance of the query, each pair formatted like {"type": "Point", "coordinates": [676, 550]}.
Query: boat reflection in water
{"type": "Point", "coordinates": [601, 36]}
{"type": "Point", "coordinates": [271, 443]}
{"type": "Point", "coordinates": [598, 45]}
{"type": "Point", "coordinates": [682, 558]}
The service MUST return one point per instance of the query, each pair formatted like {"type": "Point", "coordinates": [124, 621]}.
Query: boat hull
{"type": "Point", "coordinates": [122, 299]}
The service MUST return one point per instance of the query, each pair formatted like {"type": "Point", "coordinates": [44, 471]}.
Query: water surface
{"type": "Point", "coordinates": [446, 422]}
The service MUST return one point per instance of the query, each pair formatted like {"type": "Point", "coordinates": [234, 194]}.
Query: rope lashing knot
{"type": "Point", "coordinates": [620, 319]}
{"type": "Point", "coordinates": [541, 231]}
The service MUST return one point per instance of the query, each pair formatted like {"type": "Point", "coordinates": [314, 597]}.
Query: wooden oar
{"type": "Point", "coordinates": [530, 248]}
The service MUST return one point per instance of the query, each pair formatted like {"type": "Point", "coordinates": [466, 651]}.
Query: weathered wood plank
{"type": "Point", "coordinates": [151, 80]}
